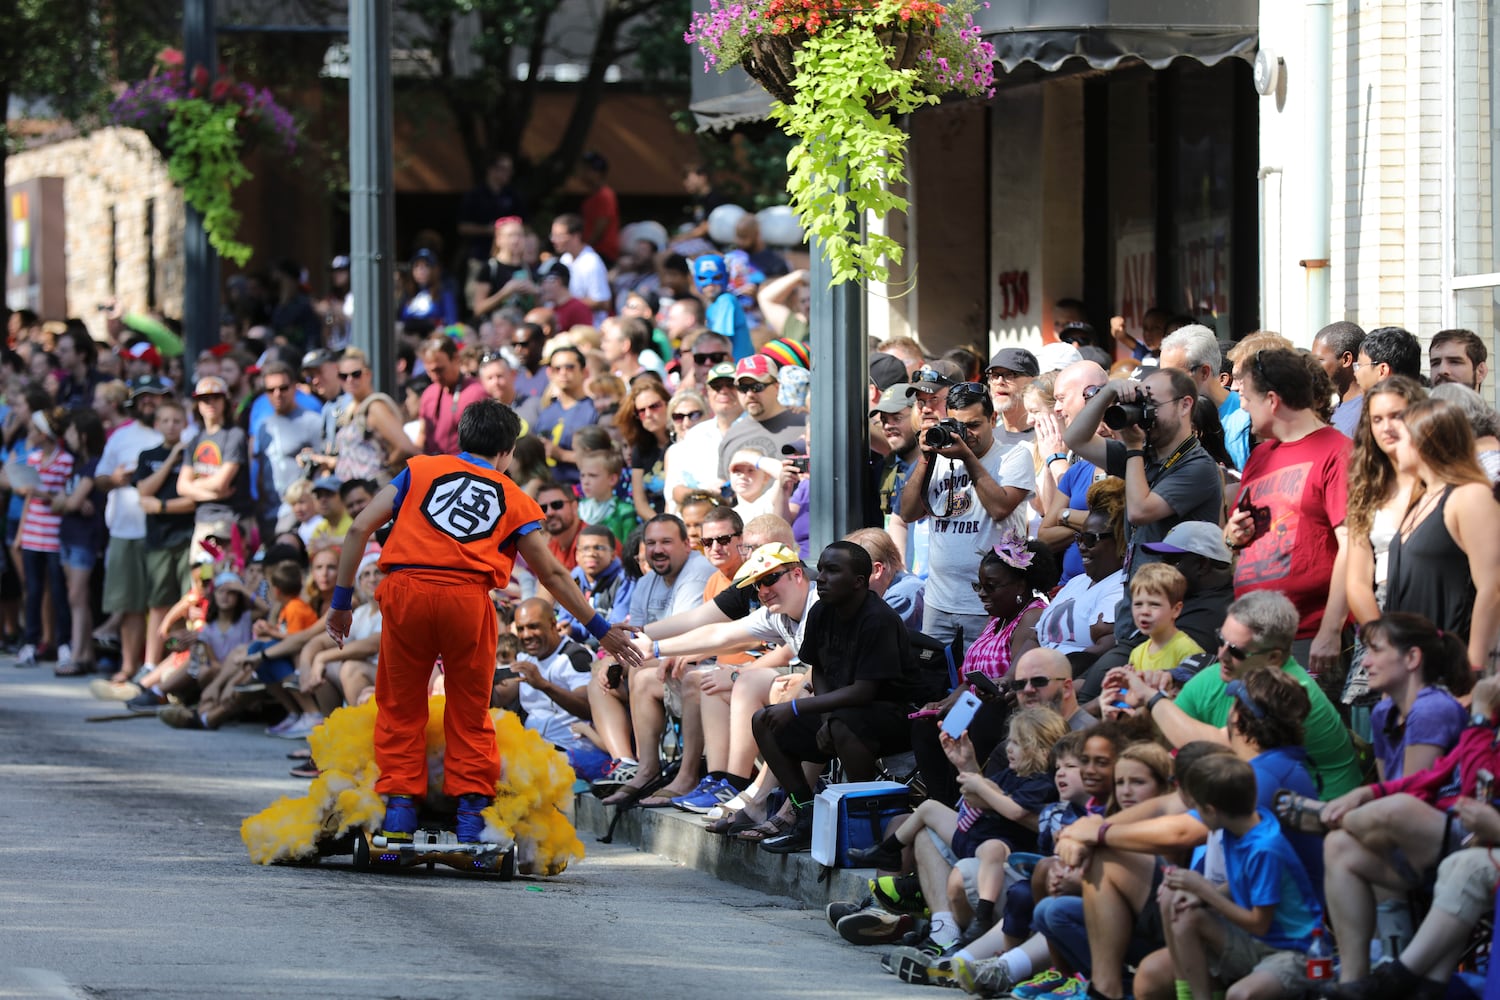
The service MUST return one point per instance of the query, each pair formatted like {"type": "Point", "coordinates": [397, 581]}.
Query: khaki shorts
{"type": "Point", "coordinates": [1244, 954]}
{"type": "Point", "coordinates": [167, 574]}
{"type": "Point", "coordinates": [126, 582]}
{"type": "Point", "coordinates": [1466, 883]}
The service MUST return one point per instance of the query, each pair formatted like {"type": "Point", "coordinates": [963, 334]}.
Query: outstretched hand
{"type": "Point", "coordinates": [339, 623]}
{"type": "Point", "coordinates": [617, 642]}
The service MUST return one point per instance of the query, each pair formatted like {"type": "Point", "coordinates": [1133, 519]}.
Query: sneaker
{"type": "Point", "coordinates": [180, 717]}
{"type": "Point", "coordinates": [1039, 985]}
{"type": "Point", "coordinates": [146, 701]}
{"type": "Point", "coordinates": [876, 856]}
{"type": "Point", "coordinates": [469, 825]}
{"type": "Point", "coordinates": [307, 769]}
{"type": "Point", "coordinates": [898, 893]}
{"type": "Point", "coordinates": [873, 925]}
{"type": "Point", "coordinates": [621, 772]}
{"type": "Point", "coordinates": [400, 819]}
{"type": "Point", "coordinates": [64, 655]}
{"type": "Point", "coordinates": [915, 957]}
{"type": "Point", "coordinates": [838, 911]}
{"type": "Point", "coordinates": [281, 727]}
{"type": "Point", "coordinates": [303, 727]}
{"type": "Point", "coordinates": [988, 977]}
{"type": "Point", "coordinates": [107, 690]}
{"type": "Point", "coordinates": [796, 840]}
{"type": "Point", "coordinates": [1075, 988]}
{"type": "Point", "coordinates": [26, 656]}
{"type": "Point", "coordinates": [707, 795]}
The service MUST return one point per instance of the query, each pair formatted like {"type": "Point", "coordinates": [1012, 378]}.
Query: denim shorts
{"type": "Point", "coordinates": [80, 557]}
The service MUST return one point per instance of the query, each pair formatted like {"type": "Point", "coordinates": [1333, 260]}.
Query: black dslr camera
{"type": "Point", "coordinates": [1141, 413]}
{"type": "Point", "coordinates": [944, 434]}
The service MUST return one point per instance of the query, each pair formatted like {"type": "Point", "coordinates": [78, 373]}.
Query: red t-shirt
{"type": "Point", "coordinates": [602, 204]}
{"type": "Point", "coordinates": [440, 409]}
{"type": "Point", "coordinates": [571, 313]}
{"type": "Point", "coordinates": [1305, 483]}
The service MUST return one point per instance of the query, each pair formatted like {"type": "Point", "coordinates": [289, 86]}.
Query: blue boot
{"type": "Point", "coordinates": [400, 819]}
{"type": "Point", "coordinates": [469, 825]}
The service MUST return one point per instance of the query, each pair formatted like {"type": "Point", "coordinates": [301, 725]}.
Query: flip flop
{"type": "Point", "coordinates": [627, 796]}
{"type": "Point", "coordinates": [655, 802]}
{"type": "Point", "coordinates": [773, 827]}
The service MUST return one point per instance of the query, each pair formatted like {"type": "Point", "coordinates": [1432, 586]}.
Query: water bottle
{"type": "Point", "coordinates": [1319, 958]}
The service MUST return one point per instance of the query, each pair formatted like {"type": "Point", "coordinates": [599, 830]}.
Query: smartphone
{"type": "Point", "coordinates": [505, 674]}
{"type": "Point", "coordinates": [961, 714]}
{"type": "Point", "coordinates": [984, 683]}
{"type": "Point", "coordinates": [1260, 516]}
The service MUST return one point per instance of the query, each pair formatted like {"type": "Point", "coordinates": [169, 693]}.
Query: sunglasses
{"type": "Point", "coordinates": [708, 360]}
{"type": "Point", "coordinates": [555, 505]}
{"type": "Point", "coordinates": [928, 375]}
{"type": "Point", "coordinates": [980, 587]}
{"type": "Point", "coordinates": [1035, 683]}
{"type": "Point", "coordinates": [750, 387]}
{"type": "Point", "coordinates": [1092, 538]}
{"type": "Point", "coordinates": [772, 579]}
{"type": "Point", "coordinates": [346, 376]}
{"type": "Point", "coordinates": [485, 359]}
{"type": "Point", "coordinates": [1238, 652]}
{"type": "Point", "coordinates": [723, 385]}
{"type": "Point", "coordinates": [720, 540]}
{"type": "Point", "coordinates": [563, 368]}
{"type": "Point", "coordinates": [966, 394]}
{"type": "Point", "coordinates": [278, 389]}
{"type": "Point", "coordinates": [641, 411]}
{"type": "Point", "coordinates": [687, 414]}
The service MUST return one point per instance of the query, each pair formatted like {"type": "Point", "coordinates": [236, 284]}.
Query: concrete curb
{"type": "Point", "coordinates": [681, 837]}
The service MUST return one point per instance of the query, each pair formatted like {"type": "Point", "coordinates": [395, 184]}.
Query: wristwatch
{"type": "Point", "coordinates": [1067, 512]}
{"type": "Point", "coordinates": [734, 675]}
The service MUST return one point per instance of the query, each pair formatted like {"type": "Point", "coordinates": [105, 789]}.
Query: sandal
{"type": "Point", "coordinates": [308, 769]}
{"type": "Point", "coordinates": [723, 824]}
{"type": "Point", "coordinates": [303, 754]}
{"type": "Point", "coordinates": [626, 796]}
{"type": "Point", "coordinates": [776, 826]}
{"type": "Point", "coordinates": [1299, 814]}
{"type": "Point", "coordinates": [655, 802]}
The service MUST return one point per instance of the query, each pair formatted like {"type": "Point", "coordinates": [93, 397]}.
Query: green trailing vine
{"type": "Point", "coordinates": [205, 162]}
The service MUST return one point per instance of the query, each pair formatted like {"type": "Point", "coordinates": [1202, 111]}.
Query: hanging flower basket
{"type": "Point", "coordinates": [838, 76]}
{"type": "Point", "coordinates": [204, 126]}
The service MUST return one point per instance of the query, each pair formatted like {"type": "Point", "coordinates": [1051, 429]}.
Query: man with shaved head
{"type": "Point", "coordinates": [1074, 475]}
{"type": "Point", "coordinates": [552, 680]}
{"type": "Point", "coordinates": [1043, 677]}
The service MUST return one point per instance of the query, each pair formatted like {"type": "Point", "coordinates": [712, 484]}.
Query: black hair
{"type": "Point", "coordinates": [487, 427]}
{"type": "Point", "coordinates": [345, 488]}
{"type": "Point", "coordinates": [1041, 576]}
{"type": "Point", "coordinates": [638, 332]}
{"type": "Point", "coordinates": [630, 550]}
{"type": "Point", "coordinates": [1474, 346]}
{"type": "Point", "coordinates": [1393, 346]}
{"type": "Point", "coordinates": [1445, 657]}
{"type": "Point", "coordinates": [859, 559]}
{"type": "Point", "coordinates": [280, 552]}
{"type": "Point", "coordinates": [1342, 337]}
{"type": "Point", "coordinates": [82, 342]}
{"type": "Point", "coordinates": [669, 519]}
{"type": "Point", "coordinates": [1210, 431]}
{"type": "Point", "coordinates": [1282, 372]}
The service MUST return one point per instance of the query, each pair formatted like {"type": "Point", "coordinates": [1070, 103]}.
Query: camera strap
{"type": "Point", "coordinates": [927, 486]}
{"type": "Point", "coordinates": [1188, 444]}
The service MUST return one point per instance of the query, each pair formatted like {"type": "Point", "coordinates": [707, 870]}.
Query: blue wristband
{"type": "Point", "coordinates": [795, 713]}
{"type": "Point", "coordinates": [655, 649]}
{"type": "Point", "coordinates": [597, 626]}
{"type": "Point", "coordinates": [343, 598]}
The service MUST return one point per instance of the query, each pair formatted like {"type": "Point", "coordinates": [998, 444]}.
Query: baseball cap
{"type": "Point", "coordinates": [153, 385]}
{"type": "Point", "coordinates": [1076, 332]}
{"type": "Point", "coordinates": [757, 366]}
{"type": "Point", "coordinates": [339, 263]}
{"type": "Point", "coordinates": [595, 161]}
{"type": "Point", "coordinates": [710, 270]}
{"type": "Point", "coordinates": [1016, 359]}
{"type": "Point", "coordinates": [765, 560]}
{"type": "Point", "coordinates": [555, 268]}
{"type": "Point", "coordinates": [329, 483]}
{"type": "Point", "coordinates": [424, 255]}
{"type": "Point", "coordinates": [210, 385]}
{"type": "Point", "coordinates": [929, 379]}
{"type": "Point", "coordinates": [724, 369]}
{"type": "Point", "coordinates": [229, 580]}
{"type": "Point", "coordinates": [317, 359]}
{"type": "Point", "coordinates": [1057, 356]}
{"type": "Point", "coordinates": [1196, 537]}
{"type": "Point", "coordinates": [894, 399]}
{"type": "Point", "coordinates": [886, 370]}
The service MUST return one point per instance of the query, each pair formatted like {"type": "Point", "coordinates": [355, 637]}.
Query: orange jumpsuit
{"type": "Point", "coordinates": [454, 540]}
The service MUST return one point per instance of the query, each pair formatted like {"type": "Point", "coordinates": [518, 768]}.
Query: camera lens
{"type": "Point", "coordinates": [1124, 415]}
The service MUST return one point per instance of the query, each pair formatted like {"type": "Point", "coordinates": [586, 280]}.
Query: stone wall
{"type": "Point", "coordinates": [113, 169]}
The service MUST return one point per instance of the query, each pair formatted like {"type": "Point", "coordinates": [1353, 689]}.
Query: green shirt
{"type": "Point", "coordinates": [1330, 754]}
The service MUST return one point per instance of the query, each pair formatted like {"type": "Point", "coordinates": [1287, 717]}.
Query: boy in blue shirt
{"type": "Point", "coordinates": [1256, 931]}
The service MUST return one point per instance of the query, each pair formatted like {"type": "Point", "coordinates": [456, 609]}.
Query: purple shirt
{"type": "Point", "coordinates": [1435, 718]}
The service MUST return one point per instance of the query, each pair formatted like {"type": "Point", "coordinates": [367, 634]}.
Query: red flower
{"type": "Point", "coordinates": [169, 57]}
{"type": "Point", "coordinates": [221, 89]}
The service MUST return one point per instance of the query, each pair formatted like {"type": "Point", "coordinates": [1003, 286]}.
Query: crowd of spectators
{"type": "Point", "coordinates": [1229, 610]}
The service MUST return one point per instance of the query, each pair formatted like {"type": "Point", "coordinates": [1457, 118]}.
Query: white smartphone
{"type": "Point", "coordinates": [961, 714]}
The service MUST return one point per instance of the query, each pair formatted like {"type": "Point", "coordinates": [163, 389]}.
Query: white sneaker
{"type": "Point", "coordinates": [283, 725]}
{"type": "Point", "coordinates": [64, 655]}
{"type": "Point", "coordinates": [304, 727]}
{"type": "Point", "coordinates": [26, 656]}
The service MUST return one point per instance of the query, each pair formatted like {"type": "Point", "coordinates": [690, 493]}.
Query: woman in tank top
{"type": "Point", "coordinates": [1445, 556]}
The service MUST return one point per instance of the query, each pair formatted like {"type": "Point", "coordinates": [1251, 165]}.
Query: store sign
{"type": "Point", "coordinates": [1203, 267]}
{"type": "Point", "coordinates": [36, 271]}
{"type": "Point", "coordinates": [1135, 277]}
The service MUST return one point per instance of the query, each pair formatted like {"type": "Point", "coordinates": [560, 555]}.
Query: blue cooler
{"type": "Point", "coordinates": [854, 815]}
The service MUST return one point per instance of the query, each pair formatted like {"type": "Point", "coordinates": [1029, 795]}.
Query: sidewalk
{"type": "Point", "coordinates": [681, 837]}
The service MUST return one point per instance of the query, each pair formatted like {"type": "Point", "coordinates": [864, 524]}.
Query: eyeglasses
{"type": "Point", "coordinates": [563, 368]}
{"type": "Point", "coordinates": [981, 587]}
{"type": "Point", "coordinates": [641, 411]}
{"type": "Point", "coordinates": [687, 414]}
{"type": "Point", "coordinates": [1356, 366]}
{"type": "Point", "coordinates": [745, 550]}
{"type": "Point", "coordinates": [772, 579]}
{"type": "Point", "coordinates": [1092, 538]}
{"type": "Point", "coordinates": [1035, 683]}
{"type": "Point", "coordinates": [1002, 375]}
{"type": "Point", "coordinates": [720, 540]}
{"type": "Point", "coordinates": [967, 394]}
{"type": "Point", "coordinates": [346, 376]}
{"type": "Point", "coordinates": [555, 505]}
{"type": "Point", "coordinates": [1238, 652]}
{"type": "Point", "coordinates": [751, 387]}
{"type": "Point", "coordinates": [278, 389]}
{"type": "Point", "coordinates": [710, 359]}
{"type": "Point", "coordinates": [1264, 381]}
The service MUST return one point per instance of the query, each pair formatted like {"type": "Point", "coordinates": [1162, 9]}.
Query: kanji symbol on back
{"type": "Point", "coordinates": [463, 506]}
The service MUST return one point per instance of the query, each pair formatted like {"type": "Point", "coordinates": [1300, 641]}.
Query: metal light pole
{"type": "Point", "coordinates": [372, 216]}
{"type": "Point", "coordinates": [841, 433]}
{"type": "Point", "coordinates": [200, 297]}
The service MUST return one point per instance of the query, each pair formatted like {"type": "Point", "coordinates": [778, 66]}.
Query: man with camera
{"type": "Point", "coordinates": [973, 490]}
{"type": "Point", "coordinates": [1169, 477]}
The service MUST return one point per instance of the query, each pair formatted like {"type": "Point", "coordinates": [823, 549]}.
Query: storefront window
{"type": "Point", "coordinates": [1476, 79]}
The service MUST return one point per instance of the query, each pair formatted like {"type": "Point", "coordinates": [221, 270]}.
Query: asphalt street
{"type": "Point", "coordinates": [122, 875]}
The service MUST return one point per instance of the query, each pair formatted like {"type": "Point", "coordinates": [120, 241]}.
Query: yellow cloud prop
{"type": "Point", "coordinates": [534, 790]}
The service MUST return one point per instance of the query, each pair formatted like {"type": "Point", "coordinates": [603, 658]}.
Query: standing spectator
{"type": "Point", "coordinates": [80, 538]}
{"type": "Point", "coordinates": [1337, 349]}
{"type": "Point", "coordinates": [569, 411]}
{"type": "Point", "coordinates": [370, 442]}
{"type": "Point", "coordinates": [429, 301]}
{"type": "Point", "coordinates": [494, 198]}
{"type": "Point", "coordinates": [598, 476]}
{"type": "Point", "coordinates": [1458, 356]}
{"type": "Point", "coordinates": [747, 237]}
{"type": "Point", "coordinates": [217, 478]}
{"type": "Point", "coordinates": [567, 309]}
{"type": "Point", "coordinates": [1482, 418]}
{"type": "Point", "coordinates": [504, 281]}
{"type": "Point", "coordinates": [1080, 618]}
{"type": "Point", "coordinates": [294, 321]}
{"type": "Point", "coordinates": [169, 522]}
{"type": "Point", "coordinates": [1445, 559]}
{"type": "Point", "coordinates": [974, 490]}
{"type": "Point", "coordinates": [625, 343]}
{"type": "Point", "coordinates": [279, 439]}
{"type": "Point", "coordinates": [531, 370]}
{"type": "Point", "coordinates": [700, 445]}
{"type": "Point", "coordinates": [686, 410]}
{"type": "Point", "coordinates": [1299, 478]}
{"type": "Point", "coordinates": [769, 424]}
{"type": "Point", "coordinates": [703, 199]}
{"type": "Point", "coordinates": [1010, 372]}
{"type": "Point", "coordinates": [588, 277]}
{"type": "Point", "coordinates": [444, 401]}
{"type": "Point", "coordinates": [76, 358]}
{"type": "Point", "coordinates": [320, 370]}
{"type": "Point", "coordinates": [1195, 350]}
{"type": "Point", "coordinates": [1169, 477]}
{"type": "Point", "coordinates": [724, 315]}
{"type": "Point", "coordinates": [1070, 505]}
{"type": "Point", "coordinates": [647, 431]}
{"type": "Point", "coordinates": [38, 538]}
{"type": "Point", "coordinates": [1387, 351]}
{"type": "Point", "coordinates": [601, 209]}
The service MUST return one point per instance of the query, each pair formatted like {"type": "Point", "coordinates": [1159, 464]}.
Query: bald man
{"type": "Point", "coordinates": [1044, 676]}
{"type": "Point", "coordinates": [552, 680]}
{"type": "Point", "coordinates": [1074, 475]}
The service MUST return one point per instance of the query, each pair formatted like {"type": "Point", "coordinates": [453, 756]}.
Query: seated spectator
{"type": "Point", "coordinates": [227, 629]}
{"type": "Point", "coordinates": [686, 410]}
{"type": "Point", "coordinates": [1417, 669]}
{"type": "Point", "coordinates": [647, 431]}
{"type": "Point", "coordinates": [336, 519]}
{"type": "Point", "coordinates": [1156, 593]}
{"type": "Point", "coordinates": [1080, 617]}
{"type": "Point", "coordinates": [293, 615]}
{"type": "Point", "coordinates": [321, 663]}
{"type": "Point", "coordinates": [304, 505]}
{"type": "Point", "coordinates": [598, 479]}
{"type": "Point", "coordinates": [560, 511]}
{"type": "Point", "coordinates": [754, 479]}
{"type": "Point", "coordinates": [890, 581]}
{"type": "Point", "coordinates": [601, 578]}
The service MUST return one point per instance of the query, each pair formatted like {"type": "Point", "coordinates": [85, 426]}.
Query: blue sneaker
{"type": "Point", "coordinates": [470, 824]}
{"type": "Point", "coordinates": [709, 793]}
{"type": "Point", "coordinates": [400, 819]}
{"type": "Point", "coordinates": [1039, 985]}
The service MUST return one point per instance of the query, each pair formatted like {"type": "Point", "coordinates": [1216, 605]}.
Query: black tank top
{"type": "Point", "coordinates": [1428, 575]}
